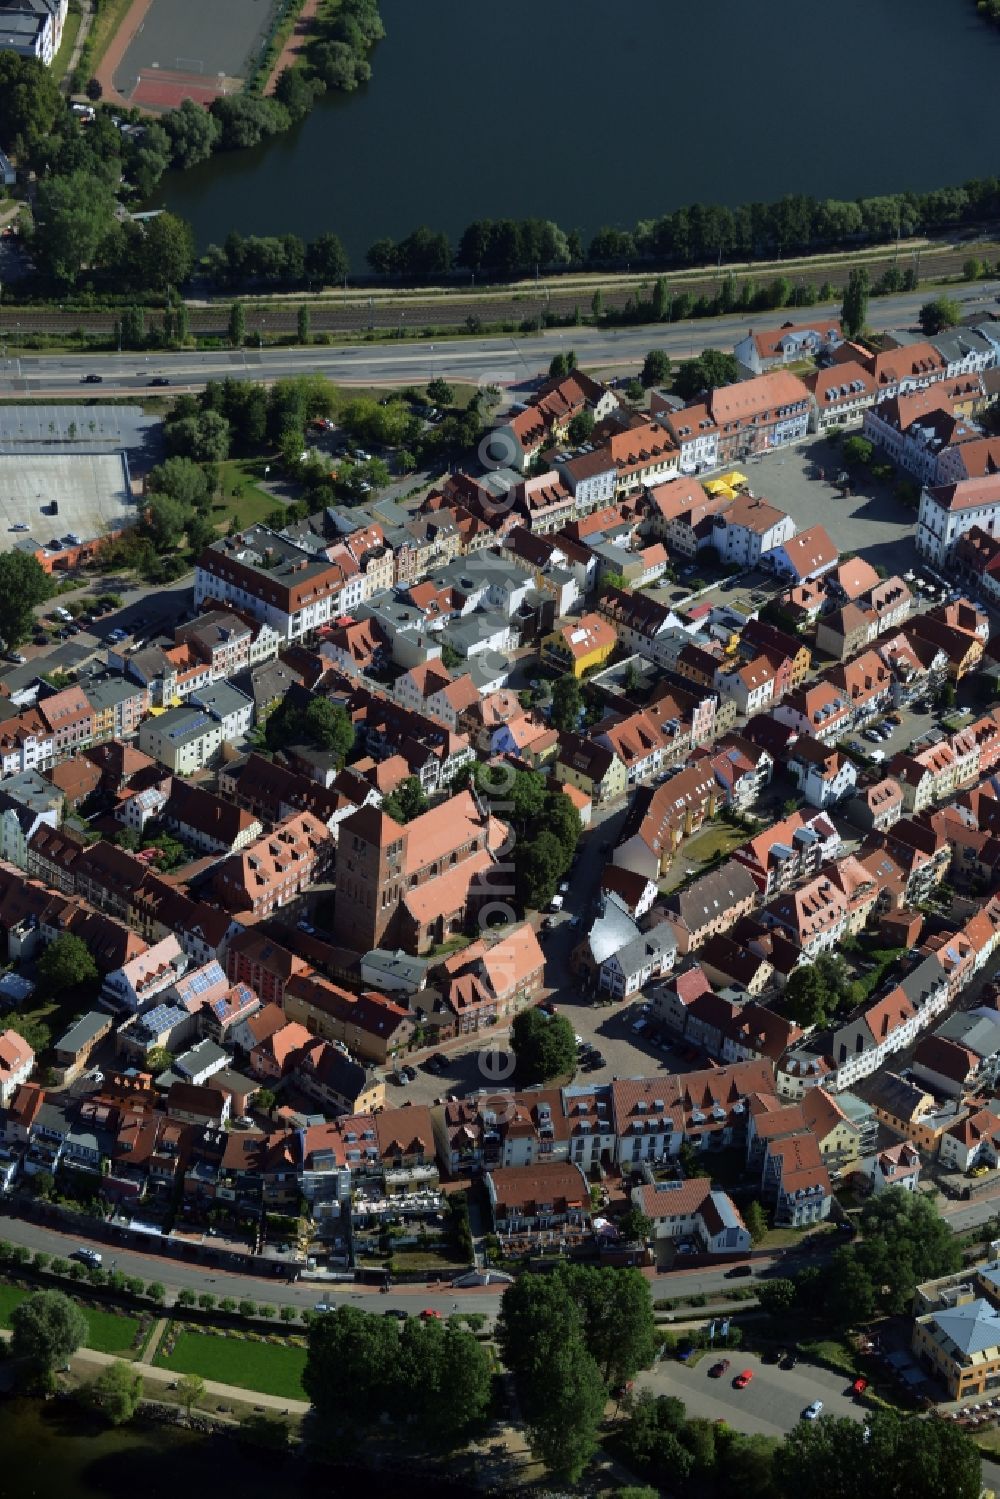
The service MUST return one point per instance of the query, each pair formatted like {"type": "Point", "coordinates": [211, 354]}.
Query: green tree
{"type": "Point", "coordinates": [541, 863]}
{"type": "Point", "coordinates": [46, 1328]}
{"type": "Point", "coordinates": [237, 325]}
{"type": "Point", "coordinates": [710, 370]}
{"type": "Point", "coordinates": [349, 1365]}
{"type": "Point", "coordinates": [265, 1100]}
{"type": "Point", "coordinates": [116, 1392]}
{"type": "Point", "coordinates": [407, 801]}
{"type": "Point", "coordinates": [656, 368]}
{"type": "Point", "coordinates": [776, 1295]}
{"type": "Point", "coordinates": [756, 1221]}
{"type": "Point", "coordinates": [597, 305]}
{"type": "Point", "coordinates": [440, 392]}
{"type": "Point", "coordinates": [543, 1045]}
{"type": "Point", "coordinates": [854, 313]}
{"type": "Point", "coordinates": [193, 132]}
{"type": "Point", "coordinates": [581, 428]}
{"type": "Point", "coordinates": [73, 216]}
{"type": "Point", "coordinates": [190, 1391]}
{"type": "Point", "coordinates": [181, 479]}
{"type": "Point", "coordinates": [326, 260]}
{"type": "Point", "coordinates": [904, 1241]}
{"type": "Point", "coordinates": [661, 306]}
{"type": "Point", "coordinates": [559, 1385]}
{"type": "Point", "coordinates": [167, 252]}
{"type": "Point", "coordinates": [158, 1059]}
{"type": "Point", "coordinates": [66, 963]}
{"type": "Point", "coordinates": [806, 996]}
{"type": "Point", "coordinates": [943, 312]}
{"type": "Point", "coordinates": [204, 438]}
{"type": "Point", "coordinates": [896, 1458]}
{"type": "Point", "coordinates": [23, 585]}
{"type": "Point", "coordinates": [617, 1309]}
{"type": "Point", "coordinates": [303, 323]}
{"type": "Point", "coordinates": [857, 450]}
{"type": "Point", "coordinates": [329, 726]}
{"type": "Point", "coordinates": [166, 521]}
{"type": "Point", "coordinates": [567, 703]}
{"type": "Point", "coordinates": [848, 1292]}
{"type": "Point", "coordinates": [30, 103]}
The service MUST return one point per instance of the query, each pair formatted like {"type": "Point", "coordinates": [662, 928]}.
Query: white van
{"type": "Point", "coordinates": [556, 903]}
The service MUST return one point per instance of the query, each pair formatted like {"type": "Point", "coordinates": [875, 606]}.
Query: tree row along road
{"type": "Point", "coordinates": [503, 360]}
{"type": "Point", "coordinates": [352, 313]}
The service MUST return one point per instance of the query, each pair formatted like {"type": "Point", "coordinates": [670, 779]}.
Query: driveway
{"type": "Point", "coordinates": [770, 1405]}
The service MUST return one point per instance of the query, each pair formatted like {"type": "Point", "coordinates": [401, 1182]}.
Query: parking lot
{"type": "Point", "coordinates": [770, 1405]}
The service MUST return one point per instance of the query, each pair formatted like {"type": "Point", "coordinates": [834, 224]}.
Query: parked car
{"type": "Point", "coordinates": [717, 1370]}
{"type": "Point", "coordinates": [812, 1412]}
{"type": "Point", "coordinates": [87, 1256]}
{"type": "Point", "coordinates": [395, 1311]}
{"type": "Point", "coordinates": [859, 1387]}
{"type": "Point", "coordinates": [430, 1315]}
{"type": "Point", "coordinates": [684, 1352]}
{"type": "Point", "coordinates": [409, 1072]}
{"type": "Point", "coordinates": [742, 1380]}
{"type": "Point", "coordinates": [739, 1270]}
{"type": "Point", "coordinates": [789, 1358]}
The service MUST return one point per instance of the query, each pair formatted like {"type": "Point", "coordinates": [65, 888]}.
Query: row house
{"type": "Point", "coordinates": [371, 1025]}
{"type": "Point", "coordinates": [270, 872]}
{"type": "Point", "coordinates": [788, 851]}
{"type": "Point", "coordinates": [487, 983]}
{"type": "Point", "coordinates": [819, 914]}
{"type": "Point", "coordinates": [840, 396]}
{"type": "Point", "coordinates": [208, 822]}
{"type": "Point", "coordinates": [26, 743]}
{"type": "Point", "coordinates": [749, 529]}
{"type": "Point", "coordinates": [546, 1205]}
{"type": "Point", "coordinates": [644, 455]}
{"type": "Point", "coordinates": [754, 416]}
{"type": "Point", "coordinates": [591, 478]}
{"type": "Point", "coordinates": [591, 767]}
{"type": "Point", "coordinates": [947, 511]}
{"type": "Point", "coordinates": [889, 1024]}
{"type": "Point", "coordinates": [680, 513]}
{"type": "Point", "coordinates": [695, 1213]}
{"type": "Point", "coordinates": [751, 685]}
{"type": "Point", "coordinates": [741, 769]}
{"type": "Point", "coordinates": [823, 775]}
{"type": "Point", "coordinates": [922, 432]}
{"type": "Point", "coordinates": [804, 557]}
{"type": "Point", "coordinates": [895, 371]}
{"type": "Point", "coordinates": [821, 710]}
{"type": "Point", "coordinates": [758, 635]}
{"type": "Point", "coordinates": [711, 904]}
{"type": "Point", "coordinates": [580, 645]}
{"type": "Point", "coordinates": [70, 719]}
{"type": "Point", "coordinates": [118, 706]}
{"type": "Point", "coordinates": [926, 777]}
{"type": "Point", "coordinates": [660, 818]}
{"type": "Point", "coordinates": [759, 352]}
{"type": "Point", "coordinates": [876, 806]}
{"type": "Point", "coordinates": [651, 740]}
{"type": "Point", "coordinates": [261, 572]}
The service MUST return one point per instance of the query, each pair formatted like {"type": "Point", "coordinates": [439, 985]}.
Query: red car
{"type": "Point", "coordinates": [428, 1313]}
{"type": "Point", "coordinates": [742, 1380]}
{"type": "Point", "coordinates": [717, 1370]}
{"type": "Point", "coordinates": [859, 1387]}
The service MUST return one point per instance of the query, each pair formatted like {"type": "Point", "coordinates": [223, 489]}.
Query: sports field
{"type": "Point", "coordinates": [192, 49]}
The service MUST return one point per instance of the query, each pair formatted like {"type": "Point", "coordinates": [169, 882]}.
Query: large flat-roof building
{"type": "Point", "coordinates": [60, 507]}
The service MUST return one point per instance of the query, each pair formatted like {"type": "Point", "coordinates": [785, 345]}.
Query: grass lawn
{"type": "Point", "coordinates": [241, 495]}
{"type": "Point", "coordinates": [251, 1366]}
{"type": "Point", "coordinates": [111, 1332]}
{"type": "Point", "coordinates": [10, 1297]}
{"type": "Point", "coordinates": [61, 60]}
{"type": "Point", "coordinates": [718, 838]}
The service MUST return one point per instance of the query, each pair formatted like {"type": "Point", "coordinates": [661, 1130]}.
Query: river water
{"type": "Point", "coordinates": [55, 1450]}
{"type": "Point", "coordinates": [590, 114]}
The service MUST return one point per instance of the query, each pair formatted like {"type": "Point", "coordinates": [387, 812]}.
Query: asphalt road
{"type": "Point", "coordinates": [504, 361]}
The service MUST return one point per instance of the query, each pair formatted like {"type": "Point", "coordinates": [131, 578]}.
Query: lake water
{"type": "Point", "coordinates": [591, 114]}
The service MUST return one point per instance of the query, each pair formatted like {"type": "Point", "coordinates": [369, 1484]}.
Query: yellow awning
{"type": "Point", "coordinates": [733, 479]}
{"type": "Point", "coordinates": [717, 487]}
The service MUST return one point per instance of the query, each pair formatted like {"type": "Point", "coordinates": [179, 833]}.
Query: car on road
{"type": "Point", "coordinates": [159, 380]}
{"type": "Point", "coordinates": [89, 1257]}
{"type": "Point", "coordinates": [812, 1412]}
{"type": "Point", "coordinates": [395, 1311]}
{"type": "Point", "coordinates": [717, 1370]}
{"type": "Point", "coordinates": [92, 380]}
{"type": "Point", "coordinates": [430, 1315]}
{"type": "Point", "coordinates": [15, 657]}
{"type": "Point", "coordinates": [738, 1270]}
{"type": "Point", "coordinates": [321, 1307]}
{"type": "Point", "coordinates": [789, 1358]}
{"type": "Point", "coordinates": [742, 1380]}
